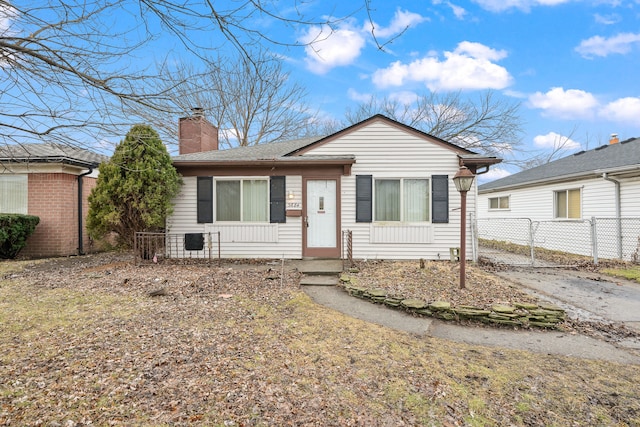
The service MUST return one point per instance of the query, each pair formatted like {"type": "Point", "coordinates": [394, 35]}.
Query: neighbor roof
{"type": "Point", "coordinates": [50, 153]}
{"type": "Point", "coordinates": [611, 158]}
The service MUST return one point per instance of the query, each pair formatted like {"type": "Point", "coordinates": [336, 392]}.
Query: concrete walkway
{"type": "Point", "coordinates": [544, 342]}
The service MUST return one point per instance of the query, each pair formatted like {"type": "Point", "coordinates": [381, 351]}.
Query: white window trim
{"type": "Point", "coordinates": [241, 179]}
{"type": "Point", "coordinates": [499, 208]}
{"type": "Point", "coordinates": [555, 207]}
{"type": "Point", "coordinates": [402, 213]}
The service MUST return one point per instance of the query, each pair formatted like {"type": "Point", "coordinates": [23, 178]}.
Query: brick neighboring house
{"type": "Point", "coordinates": [53, 182]}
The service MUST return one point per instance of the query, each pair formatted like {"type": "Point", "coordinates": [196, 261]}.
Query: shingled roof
{"type": "Point", "coordinates": [50, 153]}
{"type": "Point", "coordinates": [612, 158]}
{"type": "Point", "coordinates": [274, 150]}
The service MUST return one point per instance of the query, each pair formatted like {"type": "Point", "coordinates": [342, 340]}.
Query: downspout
{"type": "Point", "coordinates": [80, 234]}
{"type": "Point", "coordinates": [606, 177]}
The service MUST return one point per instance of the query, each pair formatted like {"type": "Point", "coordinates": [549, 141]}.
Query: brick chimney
{"type": "Point", "coordinates": [614, 139]}
{"type": "Point", "coordinates": [196, 134]}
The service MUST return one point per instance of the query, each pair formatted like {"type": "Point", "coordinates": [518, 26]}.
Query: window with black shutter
{"type": "Point", "coordinates": [364, 196]}
{"type": "Point", "coordinates": [277, 202]}
{"type": "Point", "coordinates": [205, 199]}
{"type": "Point", "coordinates": [440, 198]}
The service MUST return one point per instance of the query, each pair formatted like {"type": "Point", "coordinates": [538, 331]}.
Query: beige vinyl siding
{"type": "Point", "coordinates": [385, 151]}
{"type": "Point", "coordinates": [253, 240]}
{"type": "Point", "coordinates": [185, 207]}
{"type": "Point", "coordinates": [597, 198]}
{"type": "Point", "coordinates": [630, 195]}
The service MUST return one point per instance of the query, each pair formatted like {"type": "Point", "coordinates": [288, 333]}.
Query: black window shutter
{"type": "Point", "coordinates": [364, 198]}
{"type": "Point", "coordinates": [440, 198]}
{"type": "Point", "coordinates": [205, 199]}
{"type": "Point", "coordinates": [277, 204]}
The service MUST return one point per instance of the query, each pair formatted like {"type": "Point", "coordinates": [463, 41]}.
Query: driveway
{"type": "Point", "coordinates": [585, 296]}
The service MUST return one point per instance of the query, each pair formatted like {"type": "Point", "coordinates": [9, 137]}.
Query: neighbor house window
{"type": "Point", "coordinates": [567, 204]}
{"type": "Point", "coordinates": [401, 200]}
{"type": "Point", "coordinates": [242, 200]}
{"type": "Point", "coordinates": [13, 194]}
{"type": "Point", "coordinates": [499, 202]}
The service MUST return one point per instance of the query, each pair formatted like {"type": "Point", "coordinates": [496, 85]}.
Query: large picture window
{"type": "Point", "coordinates": [567, 204]}
{"type": "Point", "coordinates": [14, 190]}
{"type": "Point", "coordinates": [401, 200]}
{"type": "Point", "coordinates": [244, 200]}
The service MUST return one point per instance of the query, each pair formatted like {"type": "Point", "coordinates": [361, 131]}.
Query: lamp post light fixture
{"type": "Point", "coordinates": [463, 180]}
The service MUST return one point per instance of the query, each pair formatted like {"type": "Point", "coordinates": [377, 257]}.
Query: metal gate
{"type": "Point", "coordinates": [504, 241]}
{"type": "Point", "coordinates": [524, 242]}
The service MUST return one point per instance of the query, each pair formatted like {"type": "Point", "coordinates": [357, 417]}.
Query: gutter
{"type": "Point", "coordinates": [49, 159]}
{"type": "Point", "coordinates": [606, 177]}
{"type": "Point", "coordinates": [80, 200]}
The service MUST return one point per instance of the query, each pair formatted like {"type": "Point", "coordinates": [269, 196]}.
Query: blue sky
{"type": "Point", "coordinates": [573, 65]}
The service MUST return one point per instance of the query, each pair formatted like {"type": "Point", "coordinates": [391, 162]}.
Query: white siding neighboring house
{"type": "Point", "coordinates": [388, 183]}
{"type": "Point", "coordinates": [603, 182]}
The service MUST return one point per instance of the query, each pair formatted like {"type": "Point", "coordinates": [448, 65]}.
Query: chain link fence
{"type": "Point", "coordinates": [522, 241]}
{"type": "Point", "coordinates": [618, 238]}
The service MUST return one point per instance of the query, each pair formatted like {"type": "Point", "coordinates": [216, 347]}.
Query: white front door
{"type": "Point", "coordinates": [321, 215]}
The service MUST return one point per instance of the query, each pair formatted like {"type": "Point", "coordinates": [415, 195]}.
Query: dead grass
{"type": "Point", "coordinates": [631, 272]}
{"type": "Point", "coordinates": [438, 281]}
{"type": "Point", "coordinates": [89, 346]}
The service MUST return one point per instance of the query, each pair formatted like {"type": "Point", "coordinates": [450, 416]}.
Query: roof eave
{"type": "Point", "coordinates": [263, 162]}
{"type": "Point", "coordinates": [52, 159]}
{"type": "Point", "coordinates": [474, 162]}
{"type": "Point", "coordinates": [552, 180]}
{"type": "Point", "coordinates": [631, 170]}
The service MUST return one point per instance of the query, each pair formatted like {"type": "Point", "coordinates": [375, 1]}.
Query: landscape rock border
{"type": "Point", "coordinates": [525, 315]}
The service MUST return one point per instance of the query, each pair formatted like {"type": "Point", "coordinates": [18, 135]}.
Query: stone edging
{"type": "Point", "coordinates": [525, 315]}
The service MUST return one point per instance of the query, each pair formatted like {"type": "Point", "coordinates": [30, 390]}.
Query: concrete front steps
{"type": "Point", "coordinates": [319, 272]}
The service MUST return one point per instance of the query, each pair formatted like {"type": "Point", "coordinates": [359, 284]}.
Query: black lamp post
{"type": "Point", "coordinates": [463, 180]}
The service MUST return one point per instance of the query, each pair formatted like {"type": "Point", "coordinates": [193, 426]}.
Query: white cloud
{"type": "Point", "coordinates": [459, 11]}
{"type": "Point", "coordinates": [469, 66]}
{"type": "Point", "coordinates": [555, 141]}
{"type": "Point", "coordinates": [327, 48]}
{"type": "Point", "coordinates": [354, 95]}
{"type": "Point", "coordinates": [572, 103]}
{"type": "Point", "coordinates": [623, 110]}
{"type": "Point", "coordinates": [493, 174]}
{"type": "Point", "coordinates": [575, 104]}
{"type": "Point", "coordinates": [611, 19]}
{"type": "Point", "coordinates": [402, 20]}
{"type": "Point", "coordinates": [524, 5]}
{"type": "Point", "coordinates": [405, 97]}
{"type": "Point", "coordinates": [601, 46]}
{"type": "Point", "coordinates": [7, 15]}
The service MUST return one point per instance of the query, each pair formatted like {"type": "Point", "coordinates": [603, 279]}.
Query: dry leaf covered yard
{"type": "Point", "coordinates": [83, 342]}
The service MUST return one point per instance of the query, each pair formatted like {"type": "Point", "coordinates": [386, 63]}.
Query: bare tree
{"type": "Point", "coordinates": [250, 102]}
{"type": "Point", "coordinates": [71, 70]}
{"type": "Point", "coordinates": [488, 125]}
{"type": "Point", "coordinates": [561, 147]}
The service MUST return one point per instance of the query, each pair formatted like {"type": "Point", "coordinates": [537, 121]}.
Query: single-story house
{"type": "Point", "coordinates": [53, 182]}
{"type": "Point", "coordinates": [388, 184]}
{"type": "Point", "coordinates": [586, 203]}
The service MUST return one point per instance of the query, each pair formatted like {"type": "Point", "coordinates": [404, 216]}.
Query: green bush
{"type": "Point", "coordinates": [14, 231]}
